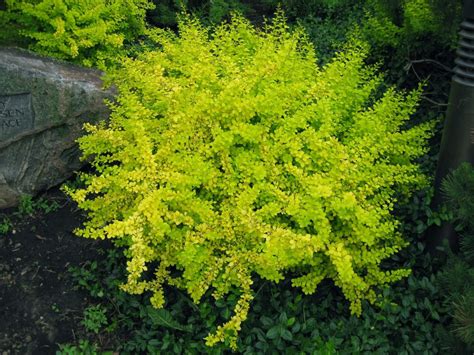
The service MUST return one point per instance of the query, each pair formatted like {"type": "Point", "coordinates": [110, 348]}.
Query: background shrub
{"type": "Point", "coordinates": [233, 154]}
{"type": "Point", "coordinates": [93, 32]}
{"type": "Point", "coordinates": [457, 278]}
{"type": "Point", "coordinates": [88, 32]}
{"type": "Point", "coordinates": [406, 24]}
{"type": "Point", "coordinates": [167, 12]}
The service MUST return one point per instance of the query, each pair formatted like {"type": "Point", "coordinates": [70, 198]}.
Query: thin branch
{"type": "Point", "coordinates": [434, 102]}
{"type": "Point", "coordinates": [448, 69]}
{"type": "Point", "coordinates": [414, 71]}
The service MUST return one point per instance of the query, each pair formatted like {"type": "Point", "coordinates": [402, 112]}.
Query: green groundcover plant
{"type": "Point", "coordinates": [229, 153]}
{"type": "Point", "coordinates": [87, 32]}
{"type": "Point", "coordinates": [282, 321]}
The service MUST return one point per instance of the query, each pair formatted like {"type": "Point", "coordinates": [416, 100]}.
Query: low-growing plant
{"type": "Point", "coordinates": [231, 154]}
{"type": "Point", "coordinates": [85, 278]}
{"type": "Point", "coordinates": [28, 206]}
{"type": "Point", "coordinates": [5, 225]}
{"type": "Point", "coordinates": [83, 348]}
{"type": "Point", "coordinates": [282, 319]}
{"type": "Point", "coordinates": [88, 32]}
{"type": "Point", "coordinates": [95, 318]}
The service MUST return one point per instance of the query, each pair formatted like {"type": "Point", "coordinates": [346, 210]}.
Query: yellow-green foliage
{"type": "Point", "coordinates": [89, 32]}
{"type": "Point", "coordinates": [233, 154]}
{"type": "Point", "coordinates": [419, 16]}
{"type": "Point", "coordinates": [400, 22]}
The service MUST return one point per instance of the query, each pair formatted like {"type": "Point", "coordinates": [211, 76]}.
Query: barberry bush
{"type": "Point", "coordinates": [87, 32]}
{"type": "Point", "coordinates": [229, 154]}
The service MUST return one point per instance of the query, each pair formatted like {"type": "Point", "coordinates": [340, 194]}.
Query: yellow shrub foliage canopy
{"type": "Point", "coordinates": [230, 153]}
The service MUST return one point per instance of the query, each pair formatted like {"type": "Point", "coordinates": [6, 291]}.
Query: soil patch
{"type": "Point", "coordinates": [39, 307]}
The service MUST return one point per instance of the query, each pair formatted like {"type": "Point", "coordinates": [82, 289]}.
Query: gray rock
{"type": "Point", "coordinates": [43, 106]}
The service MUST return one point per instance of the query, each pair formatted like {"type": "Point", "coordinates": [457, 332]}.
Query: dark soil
{"type": "Point", "coordinates": [39, 307]}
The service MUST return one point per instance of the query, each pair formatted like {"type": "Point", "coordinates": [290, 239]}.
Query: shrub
{"type": "Point", "coordinates": [404, 23]}
{"type": "Point", "coordinates": [458, 188]}
{"type": "Point", "coordinates": [231, 154]}
{"type": "Point", "coordinates": [457, 278]}
{"type": "Point", "coordinates": [88, 32]}
{"type": "Point", "coordinates": [210, 11]}
{"type": "Point", "coordinates": [395, 23]}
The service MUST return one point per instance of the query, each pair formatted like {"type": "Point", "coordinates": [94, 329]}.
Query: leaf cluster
{"type": "Point", "coordinates": [94, 318]}
{"type": "Point", "coordinates": [28, 206]}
